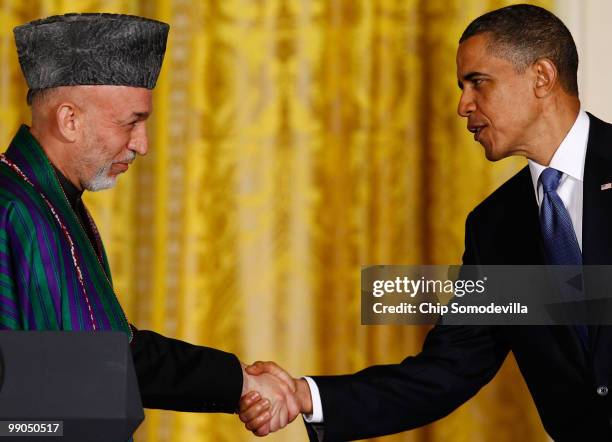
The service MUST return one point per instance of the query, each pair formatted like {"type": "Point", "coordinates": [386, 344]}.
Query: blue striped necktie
{"type": "Point", "coordinates": [558, 233]}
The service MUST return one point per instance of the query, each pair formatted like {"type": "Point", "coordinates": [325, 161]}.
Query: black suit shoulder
{"type": "Point", "coordinates": [600, 137]}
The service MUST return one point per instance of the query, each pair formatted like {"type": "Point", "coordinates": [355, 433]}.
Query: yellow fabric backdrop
{"type": "Point", "coordinates": [292, 142]}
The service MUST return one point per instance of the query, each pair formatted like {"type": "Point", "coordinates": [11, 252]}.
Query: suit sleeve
{"type": "Point", "coordinates": [175, 375]}
{"type": "Point", "coordinates": [456, 361]}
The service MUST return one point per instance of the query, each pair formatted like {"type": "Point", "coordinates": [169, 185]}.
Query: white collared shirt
{"type": "Point", "coordinates": [569, 159]}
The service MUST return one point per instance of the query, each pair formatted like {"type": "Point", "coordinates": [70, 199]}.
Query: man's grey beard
{"type": "Point", "coordinates": [101, 180]}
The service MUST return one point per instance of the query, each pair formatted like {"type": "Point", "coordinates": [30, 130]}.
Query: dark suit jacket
{"type": "Point", "coordinates": [456, 361]}
{"type": "Point", "coordinates": [175, 375]}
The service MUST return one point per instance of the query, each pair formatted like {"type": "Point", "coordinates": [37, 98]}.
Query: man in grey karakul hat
{"type": "Point", "coordinates": [90, 79]}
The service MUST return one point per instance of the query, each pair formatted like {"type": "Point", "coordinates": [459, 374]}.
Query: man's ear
{"type": "Point", "coordinates": [67, 117]}
{"type": "Point", "coordinates": [546, 75]}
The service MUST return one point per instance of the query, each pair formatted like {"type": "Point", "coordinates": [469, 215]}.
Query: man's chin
{"type": "Point", "coordinates": [101, 182]}
{"type": "Point", "coordinates": [493, 158]}
{"type": "Point", "coordinates": [491, 154]}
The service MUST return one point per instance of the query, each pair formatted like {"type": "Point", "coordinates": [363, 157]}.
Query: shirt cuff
{"type": "Point", "coordinates": [317, 408]}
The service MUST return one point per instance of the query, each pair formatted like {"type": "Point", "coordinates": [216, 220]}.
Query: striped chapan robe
{"type": "Point", "coordinates": [40, 288]}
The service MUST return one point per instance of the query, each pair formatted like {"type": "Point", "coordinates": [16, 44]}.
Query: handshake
{"type": "Point", "coordinates": [271, 398]}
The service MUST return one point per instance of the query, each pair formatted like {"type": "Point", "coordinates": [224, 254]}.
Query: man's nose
{"type": "Point", "coordinates": [466, 104]}
{"type": "Point", "coordinates": [139, 141]}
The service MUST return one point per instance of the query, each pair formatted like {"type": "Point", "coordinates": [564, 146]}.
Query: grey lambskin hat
{"type": "Point", "coordinates": [91, 49]}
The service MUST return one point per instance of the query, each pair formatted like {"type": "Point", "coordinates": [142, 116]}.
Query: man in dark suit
{"type": "Point", "coordinates": [517, 68]}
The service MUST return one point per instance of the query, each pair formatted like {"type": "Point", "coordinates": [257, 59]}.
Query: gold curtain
{"type": "Point", "coordinates": [292, 141]}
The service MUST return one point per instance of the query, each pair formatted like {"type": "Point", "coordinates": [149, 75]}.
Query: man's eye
{"type": "Point", "coordinates": [477, 81]}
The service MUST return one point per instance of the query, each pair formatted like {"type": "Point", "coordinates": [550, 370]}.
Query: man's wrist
{"type": "Point", "coordinates": [304, 396]}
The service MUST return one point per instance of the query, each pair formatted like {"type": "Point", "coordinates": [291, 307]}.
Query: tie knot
{"type": "Point", "coordinates": [550, 179]}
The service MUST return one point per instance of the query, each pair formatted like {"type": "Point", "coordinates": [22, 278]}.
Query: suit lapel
{"type": "Point", "coordinates": [532, 222]}
{"type": "Point", "coordinates": [520, 225]}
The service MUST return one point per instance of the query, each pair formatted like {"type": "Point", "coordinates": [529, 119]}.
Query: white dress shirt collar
{"type": "Point", "coordinates": [569, 156]}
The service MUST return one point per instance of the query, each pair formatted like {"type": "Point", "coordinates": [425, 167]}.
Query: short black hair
{"type": "Point", "coordinates": [525, 33]}
{"type": "Point", "coordinates": [34, 94]}
{"type": "Point", "coordinates": [39, 95]}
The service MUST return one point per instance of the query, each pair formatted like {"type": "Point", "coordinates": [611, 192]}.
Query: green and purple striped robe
{"type": "Point", "coordinates": [39, 288]}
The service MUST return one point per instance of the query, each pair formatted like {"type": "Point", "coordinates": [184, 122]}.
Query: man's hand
{"type": "Point", "coordinates": [254, 410]}
{"type": "Point", "coordinates": [268, 402]}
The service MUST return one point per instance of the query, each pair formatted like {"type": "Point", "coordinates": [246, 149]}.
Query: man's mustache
{"type": "Point", "coordinates": [128, 160]}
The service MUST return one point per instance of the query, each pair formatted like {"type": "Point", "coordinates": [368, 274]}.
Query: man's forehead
{"type": "Point", "coordinates": [123, 102]}
{"type": "Point", "coordinates": [122, 94]}
{"type": "Point", "coordinates": [105, 88]}
{"type": "Point", "coordinates": [473, 51]}
{"type": "Point", "coordinates": [474, 56]}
